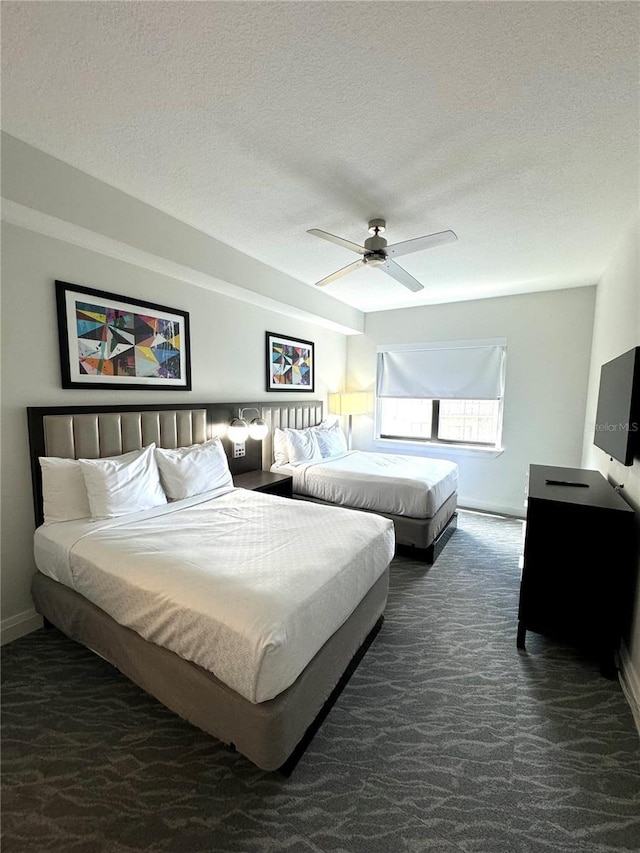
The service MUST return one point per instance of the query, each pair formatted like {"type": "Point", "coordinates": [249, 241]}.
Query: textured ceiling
{"type": "Point", "coordinates": [515, 124]}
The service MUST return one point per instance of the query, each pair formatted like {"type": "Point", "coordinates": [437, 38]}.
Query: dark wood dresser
{"type": "Point", "coordinates": [578, 571]}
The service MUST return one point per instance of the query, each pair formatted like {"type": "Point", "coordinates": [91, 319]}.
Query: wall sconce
{"type": "Point", "coordinates": [349, 403]}
{"type": "Point", "coordinates": [239, 430]}
{"type": "Point", "coordinates": [258, 427]}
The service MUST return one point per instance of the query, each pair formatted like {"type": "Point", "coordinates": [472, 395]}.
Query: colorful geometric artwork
{"type": "Point", "coordinates": [109, 342]}
{"type": "Point", "coordinates": [290, 364]}
{"type": "Point", "coordinates": [121, 343]}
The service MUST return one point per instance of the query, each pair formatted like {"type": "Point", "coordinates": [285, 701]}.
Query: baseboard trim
{"type": "Point", "coordinates": [630, 682]}
{"type": "Point", "coordinates": [19, 625]}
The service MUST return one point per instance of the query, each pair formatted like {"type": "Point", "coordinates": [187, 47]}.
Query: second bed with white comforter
{"type": "Point", "coordinates": [410, 486]}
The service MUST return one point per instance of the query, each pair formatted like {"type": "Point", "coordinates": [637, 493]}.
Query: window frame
{"type": "Point", "coordinates": [434, 440]}
{"type": "Point", "coordinates": [435, 424]}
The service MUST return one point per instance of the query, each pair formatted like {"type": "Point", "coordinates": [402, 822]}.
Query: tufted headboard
{"type": "Point", "coordinates": [92, 432]}
{"type": "Point", "coordinates": [293, 415]}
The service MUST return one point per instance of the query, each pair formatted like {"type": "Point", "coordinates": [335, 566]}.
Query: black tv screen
{"type": "Point", "coordinates": [618, 412]}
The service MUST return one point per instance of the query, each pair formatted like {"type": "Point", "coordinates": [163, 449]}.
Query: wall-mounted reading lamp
{"type": "Point", "coordinates": [239, 430]}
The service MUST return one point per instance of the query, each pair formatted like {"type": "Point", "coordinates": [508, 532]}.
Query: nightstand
{"type": "Point", "coordinates": [265, 481]}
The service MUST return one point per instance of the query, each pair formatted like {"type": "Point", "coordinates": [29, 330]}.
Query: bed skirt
{"type": "Point", "coordinates": [266, 733]}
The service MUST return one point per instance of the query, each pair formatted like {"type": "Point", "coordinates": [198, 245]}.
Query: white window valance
{"type": "Point", "coordinates": [467, 370]}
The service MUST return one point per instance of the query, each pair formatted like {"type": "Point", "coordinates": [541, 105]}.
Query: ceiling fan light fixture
{"type": "Point", "coordinates": [375, 259]}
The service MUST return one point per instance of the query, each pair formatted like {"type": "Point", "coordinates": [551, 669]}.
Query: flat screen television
{"type": "Point", "coordinates": [618, 413]}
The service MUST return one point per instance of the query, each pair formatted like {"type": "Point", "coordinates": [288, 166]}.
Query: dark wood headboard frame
{"type": "Point", "coordinates": [217, 413]}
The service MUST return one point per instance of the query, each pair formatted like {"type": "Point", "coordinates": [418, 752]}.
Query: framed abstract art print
{"type": "Point", "coordinates": [110, 341]}
{"type": "Point", "coordinates": [290, 363]}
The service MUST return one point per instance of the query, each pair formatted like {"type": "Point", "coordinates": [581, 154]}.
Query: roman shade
{"type": "Point", "coordinates": [466, 370]}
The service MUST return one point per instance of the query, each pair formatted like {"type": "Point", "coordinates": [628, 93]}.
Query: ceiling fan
{"type": "Point", "coordinates": [376, 253]}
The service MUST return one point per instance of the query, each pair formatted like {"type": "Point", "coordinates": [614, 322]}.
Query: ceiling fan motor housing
{"type": "Point", "coordinates": [375, 259]}
{"type": "Point", "coordinates": [375, 246]}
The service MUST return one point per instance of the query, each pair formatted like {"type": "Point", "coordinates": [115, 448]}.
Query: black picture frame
{"type": "Point", "coordinates": [99, 353]}
{"type": "Point", "coordinates": [290, 363]}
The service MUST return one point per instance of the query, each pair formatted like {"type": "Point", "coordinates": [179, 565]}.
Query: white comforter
{"type": "Point", "coordinates": [387, 482]}
{"type": "Point", "coordinates": [249, 586]}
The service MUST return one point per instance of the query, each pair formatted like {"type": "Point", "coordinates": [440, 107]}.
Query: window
{"type": "Point", "coordinates": [406, 418]}
{"type": "Point", "coordinates": [453, 421]}
{"type": "Point", "coordinates": [469, 421]}
{"type": "Point", "coordinates": [447, 392]}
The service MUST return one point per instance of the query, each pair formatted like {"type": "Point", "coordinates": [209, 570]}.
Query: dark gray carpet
{"type": "Point", "coordinates": [445, 740]}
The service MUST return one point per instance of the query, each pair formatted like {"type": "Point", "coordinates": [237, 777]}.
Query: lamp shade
{"type": "Point", "coordinates": [258, 429]}
{"type": "Point", "coordinates": [349, 403]}
{"type": "Point", "coordinates": [238, 431]}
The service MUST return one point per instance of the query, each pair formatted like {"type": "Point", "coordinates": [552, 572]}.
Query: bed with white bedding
{"type": "Point", "coordinates": [206, 578]}
{"type": "Point", "coordinates": [418, 494]}
{"type": "Point", "coordinates": [385, 482]}
{"type": "Point", "coordinates": [238, 610]}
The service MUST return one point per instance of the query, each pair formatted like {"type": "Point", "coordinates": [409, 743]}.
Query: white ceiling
{"type": "Point", "coordinates": [515, 124]}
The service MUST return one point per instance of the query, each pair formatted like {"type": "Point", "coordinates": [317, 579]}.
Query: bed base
{"type": "Point", "coordinates": [274, 734]}
{"type": "Point", "coordinates": [418, 538]}
{"type": "Point", "coordinates": [430, 554]}
{"type": "Point", "coordinates": [289, 765]}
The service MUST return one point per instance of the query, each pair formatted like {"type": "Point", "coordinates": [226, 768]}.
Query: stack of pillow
{"type": "Point", "coordinates": [295, 446]}
{"type": "Point", "coordinates": [132, 482]}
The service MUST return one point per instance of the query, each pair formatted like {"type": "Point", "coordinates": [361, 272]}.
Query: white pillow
{"type": "Point", "coordinates": [193, 470]}
{"type": "Point", "coordinates": [331, 442]}
{"type": "Point", "coordinates": [119, 485]}
{"type": "Point", "coordinates": [64, 493]}
{"type": "Point", "coordinates": [280, 447]}
{"type": "Point", "coordinates": [303, 446]}
{"type": "Point", "coordinates": [331, 422]}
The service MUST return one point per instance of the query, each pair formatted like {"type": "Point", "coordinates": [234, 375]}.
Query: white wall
{"type": "Point", "coordinates": [227, 353]}
{"type": "Point", "coordinates": [616, 330]}
{"type": "Point", "coordinates": [548, 355]}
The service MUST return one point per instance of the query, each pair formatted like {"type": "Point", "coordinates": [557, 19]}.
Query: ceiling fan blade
{"type": "Point", "coordinates": [420, 243]}
{"type": "Point", "coordinates": [344, 271]}
{"type": "Point", "coordinates": [339, 241]}
{"type": "Point", "coordinates": [391, 268]}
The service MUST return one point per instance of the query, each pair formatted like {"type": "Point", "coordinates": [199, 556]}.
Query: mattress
{"type": "Point", "coordinates": [248, 586]}
{"type": "Point", "coordinates": [412, 486]}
